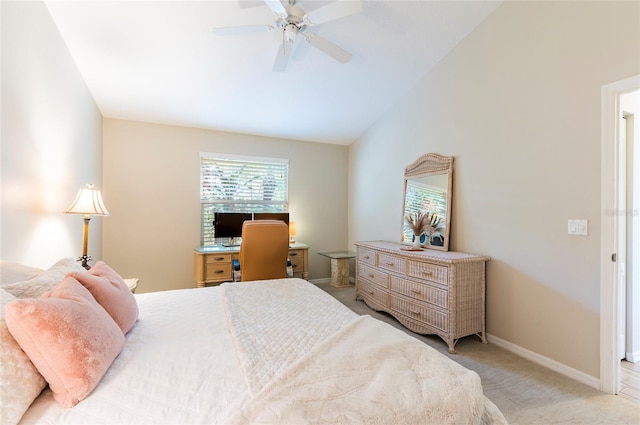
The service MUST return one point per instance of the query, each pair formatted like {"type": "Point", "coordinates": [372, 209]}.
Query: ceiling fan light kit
{"type": "Point", "coordinates": [293, 21]}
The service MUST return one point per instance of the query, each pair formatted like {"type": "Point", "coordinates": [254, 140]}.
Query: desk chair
{"type": "Point", "coordinates": [264, 250]}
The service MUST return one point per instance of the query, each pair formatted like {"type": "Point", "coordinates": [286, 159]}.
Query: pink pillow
{"type": "Point", "coordinates": [69, 338]}
{"type": "Point", "coordinates": [112, 293]}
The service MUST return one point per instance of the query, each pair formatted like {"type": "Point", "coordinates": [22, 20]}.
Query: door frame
{"type": "Point", "coordinates": [609, 241]}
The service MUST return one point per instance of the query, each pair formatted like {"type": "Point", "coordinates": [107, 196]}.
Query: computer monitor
{"type": "Point", "coordinates": [282, 216]}
{"type": "Point", "coordinates": [229, 225]}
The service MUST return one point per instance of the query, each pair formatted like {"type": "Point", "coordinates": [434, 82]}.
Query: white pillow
{"type": "Point", "coordinates": [11, 272]}
{"type": "Point", "coordinates": [45, 281]}
{"type": "Point", "coordinates": [20, 381]}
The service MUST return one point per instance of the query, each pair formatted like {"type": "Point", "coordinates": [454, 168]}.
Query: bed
{"type": "Point", "coordinates": [279, 351]}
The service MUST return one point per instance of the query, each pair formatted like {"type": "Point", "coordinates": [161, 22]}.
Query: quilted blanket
{"type": "Point", "coordinates": [316, 362]}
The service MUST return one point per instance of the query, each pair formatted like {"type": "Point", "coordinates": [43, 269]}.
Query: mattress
{"type": "Point", "coordinates": [277, 351]}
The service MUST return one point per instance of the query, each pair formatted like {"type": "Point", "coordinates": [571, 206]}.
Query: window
{"type": "Point", "coordinates": [238, 183]}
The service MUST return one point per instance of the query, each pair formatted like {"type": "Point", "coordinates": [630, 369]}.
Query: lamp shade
{"type": "Point", "coordinates": [88, 202]}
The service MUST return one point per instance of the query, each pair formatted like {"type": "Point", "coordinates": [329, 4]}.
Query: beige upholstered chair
{"type": "Point", "coordinates": [264, 250]}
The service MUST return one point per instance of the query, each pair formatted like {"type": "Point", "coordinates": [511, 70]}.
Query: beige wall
{"type": "Point", "coordinates": [518, 105]}
{"type": "Point", "coordinates": [151, 177]}
{"type": "Point", "coordinates": [50, 143]}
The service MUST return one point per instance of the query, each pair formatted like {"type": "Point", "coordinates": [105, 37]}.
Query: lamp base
{"type": "Point", "coordinates": [85, 259]}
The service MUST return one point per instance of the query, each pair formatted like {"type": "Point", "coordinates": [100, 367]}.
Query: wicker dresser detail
{"type": "Point", "coordinates": [428, 291]}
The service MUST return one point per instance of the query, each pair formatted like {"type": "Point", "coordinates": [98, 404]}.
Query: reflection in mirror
{"type": "Point", "coordinates": [427, 202]}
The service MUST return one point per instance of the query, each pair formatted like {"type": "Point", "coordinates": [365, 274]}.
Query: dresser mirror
{"type": "Point", "coordinates": [427, 192]}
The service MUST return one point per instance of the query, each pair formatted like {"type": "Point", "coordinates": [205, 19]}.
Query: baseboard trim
{"type": "Point", "coordinates": [328, 280]}
{"type": "Point", "coordinates": [320, 281]}
{"type": "Point", "coordinates": [632, 357]}
{"type": "Point", "coordinates": [546, 362]}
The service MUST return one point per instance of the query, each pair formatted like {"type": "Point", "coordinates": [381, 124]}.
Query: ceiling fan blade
{"type": "Point", "coordinates": [246, 29]}
{"type": "Point", "coordinates": [276, 6]}
{"type": "Point", "coordinates": [328, 47]}
{"type": "Point", "coordinates": [335, 10]}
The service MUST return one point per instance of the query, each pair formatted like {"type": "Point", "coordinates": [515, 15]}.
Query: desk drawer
{"type": "Point", "coordinates": [217, 258]}
{"type": "Point", "coordinates": [218, 271]}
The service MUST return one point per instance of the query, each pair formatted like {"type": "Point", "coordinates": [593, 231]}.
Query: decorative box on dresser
{"type": "Point", "coordinates": [428, 291]}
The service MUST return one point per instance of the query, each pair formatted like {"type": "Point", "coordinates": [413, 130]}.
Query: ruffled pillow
{"type": "Point", "coordinates": [20, 381]}
{"type": "Point", "coordinates": [45, 281]}
{"type": "Point", "coordinates": [68, 336]}
{"type": "Point", "coordinates": [112, 293]}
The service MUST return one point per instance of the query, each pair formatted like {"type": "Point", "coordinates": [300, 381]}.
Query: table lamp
{"type": "Point", "coordinates": [88, 203]}
{"type": "Point", "coordinates": [292, 231]}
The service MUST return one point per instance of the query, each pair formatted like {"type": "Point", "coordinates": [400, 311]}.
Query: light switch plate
{"type": "Point", "coordinates": [578, 227]}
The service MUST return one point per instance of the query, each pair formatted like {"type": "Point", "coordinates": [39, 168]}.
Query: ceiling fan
{"type": "Point", "coordinates": [293, 21]}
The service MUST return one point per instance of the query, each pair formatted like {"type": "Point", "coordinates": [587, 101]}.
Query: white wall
{"type": "Point", "coordinates": [152, 176]}
{"type": "Point", "coordinates": [51, 141]}
{"type": "Point", "coordinates": [517, 104]}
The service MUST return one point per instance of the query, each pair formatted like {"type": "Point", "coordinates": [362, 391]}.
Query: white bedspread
{"type": "Point", "coordinates": [233, 354]}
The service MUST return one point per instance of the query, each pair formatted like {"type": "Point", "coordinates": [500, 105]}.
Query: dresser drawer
{"type": "Point", "coordinates": [376, 276]}
{"type": "Point", "coordinates": [372, 294]}
{"type": "Point", "coordinates": [428, 271]}
{"type": "Point", "coordinates": [391, 262]}
{"type": "Point", "coordinates": [419, 312]}
{"type": "Point", "coordinates": [367, 256]}
{"type": "Point", "coordinates": [420, 291]}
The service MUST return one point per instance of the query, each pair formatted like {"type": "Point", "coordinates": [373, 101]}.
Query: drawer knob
{"type": "Point", "coordinates": [293, 254]}
{"type": "Point", "coordinates": [219, 258]}
{"type": "Point", "coordinates": [366, 257]}
{"type": "Point", "coordinates": [371, 275]}
{"type": "Point", "coordinates": [427, 273]}
{"type": "Point", "coordinates": [389, 263]}
{"type": "Point", "coordinates": [415, 313]}
{"type": "Point", "coordinates": [370, 292]}
{"type": "Point", "coordinates": [219, 271]}
{"type": "Point", "coordinates": [415, 291]}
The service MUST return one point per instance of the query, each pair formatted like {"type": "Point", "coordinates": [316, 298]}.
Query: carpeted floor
{"type": "Point", "coordinates": [525, 392]}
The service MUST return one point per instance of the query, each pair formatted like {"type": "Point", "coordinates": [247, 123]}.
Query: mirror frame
{"type": "Point", "coordinates": [430, 164]}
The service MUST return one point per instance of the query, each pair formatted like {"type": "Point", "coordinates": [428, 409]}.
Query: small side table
{"type": "Point", "coordinates": [132, 284]}
{"type": "Point", "coordinates": [339, 267]}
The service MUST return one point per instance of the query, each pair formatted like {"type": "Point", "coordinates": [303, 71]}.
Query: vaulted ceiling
{"type": "Point", "coordinates": [160, 61]}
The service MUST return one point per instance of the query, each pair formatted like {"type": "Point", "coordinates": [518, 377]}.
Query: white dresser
{"type": "Point", "coordinates": [428, 291]}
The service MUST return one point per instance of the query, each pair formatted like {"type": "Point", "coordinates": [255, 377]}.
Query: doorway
{"type": "Point", "coordinates": [619, 296]}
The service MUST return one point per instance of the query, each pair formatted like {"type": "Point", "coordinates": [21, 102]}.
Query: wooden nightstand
{"type": "Point", "coordinates": [132, 284]}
